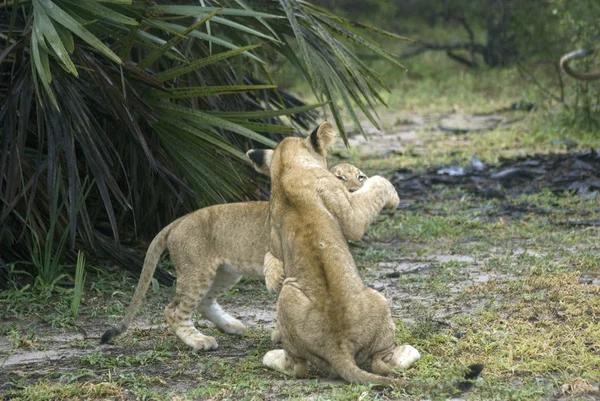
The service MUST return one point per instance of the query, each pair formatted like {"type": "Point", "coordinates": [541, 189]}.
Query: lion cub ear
{"type": "Point", "coordinates": [322, 137]}
{"type": "Point", "coordinates": [261, 160]}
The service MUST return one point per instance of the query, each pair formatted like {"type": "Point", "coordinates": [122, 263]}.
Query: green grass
{"type": "Point", "coordinates": [532, 320]}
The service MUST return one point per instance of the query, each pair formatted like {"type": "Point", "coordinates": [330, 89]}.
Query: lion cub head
{"type": "Point", "coordinates": [352, 178]}
{"type": "Point", "coordinates": [295, 152]}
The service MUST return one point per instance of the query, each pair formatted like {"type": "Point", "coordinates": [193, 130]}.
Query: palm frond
{"type": "Point", "coordinates": [133, 114]}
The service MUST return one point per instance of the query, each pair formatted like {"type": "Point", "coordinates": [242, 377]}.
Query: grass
{"type": "Point", "coordinates": [516, 297]}
{"type": "Point", "coordinates": [517, 293]}
{"type": "Point", "coordinates": [536, 324]}
{"type": "Point", "coordinates": [79, 283]}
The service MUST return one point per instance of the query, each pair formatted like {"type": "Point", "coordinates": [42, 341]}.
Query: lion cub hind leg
{"type": "Point", "coordinates": [283, 361]}
{"type": "Point", "coordinates": [225, 278]}
{"type": "Point", "coordinates": [400, 358]}
{"type": "Point", "coordinates": [179, 316]}
{"type": "Point", "coordinates": [194, 281]}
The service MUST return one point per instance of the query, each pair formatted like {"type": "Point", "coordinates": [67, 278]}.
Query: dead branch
{"type": "Point", "coordinates": [528, 75]}
{"type": "Point", "coordinates": [473, 47]}
{"type": "Point", "coordinates": [465, 24]}
{"type": "Point", "coordinates": [462, 60]}
{"type": "Point", "coordinates": [578, 54]}
{"type": "Point", "coordinates": [423, 46]}
{"type": "Point", "coordinates": [560, 82]}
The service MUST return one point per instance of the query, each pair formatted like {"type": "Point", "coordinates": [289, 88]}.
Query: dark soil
{"type": "Point", "coordinates": [577, 172]}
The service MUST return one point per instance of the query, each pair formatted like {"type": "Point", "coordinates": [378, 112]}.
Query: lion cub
{"type": "Point", "coordinates": [325, 313]}
{"type": "Point", "coordinates": [212, 248]}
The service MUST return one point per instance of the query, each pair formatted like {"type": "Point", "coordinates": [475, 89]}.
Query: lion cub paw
{"type": "Point", "coordinates": [276, 336]}
{"type": "Point", "coordinates": [404, 357]}
{"type": "Point", "coordinates": [279, 360]}
{"type": "Point", "coordinates": [275, 359]}
{"type": "Point", "coordinates": [204, 343]}
{"type": "Point", "coordinates": [394, 201]}
{"type": "Point", "coordinates": [385, 189]}
{"type": "Point", "coordinates": [198, 341]}
{"type": "Point", "coordinates": [274, 273]}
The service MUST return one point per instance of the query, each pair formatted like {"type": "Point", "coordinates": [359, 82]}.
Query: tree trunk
{"type": "Point", "coordinates": [501, 47]}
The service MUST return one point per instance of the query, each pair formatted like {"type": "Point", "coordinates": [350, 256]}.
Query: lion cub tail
{"type": "Point", "coordinates": [346, 367]}
{"type": "Point", "coordinates": [156, 248]}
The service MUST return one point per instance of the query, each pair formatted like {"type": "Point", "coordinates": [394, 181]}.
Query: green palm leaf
{"type": "Point", "coordinates": [202, 118]}
{"type": "Point", "coordinates": [198, 11]}
{"type": "Point", "coordinates": [166, 130]}
{"type": "Point", "coordinates": [100, 11]}
{"type": "Point", "coordinates": [266, 113]}
{"type": "Point", "coordinates": [177, 93]}
{"type": "Point", "coordinates": [196, 64]}
{"type": "Point", "coordinates": [209, 38]}
{"type": "Point", "coordinates": [155, 55]}
{"type": "Point", "coordinates": [60, 16]}
{"type": "Point", "coordinates": [47, 29]}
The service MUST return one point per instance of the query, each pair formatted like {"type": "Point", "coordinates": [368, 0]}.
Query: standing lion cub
{"type": "Point", "coordinates": [212, 248]}
{"type": "Point", "coordinates": [325, 313]}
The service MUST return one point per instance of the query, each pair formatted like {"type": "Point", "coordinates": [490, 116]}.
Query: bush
{"type": "Point", "coordinates": [147, 110]}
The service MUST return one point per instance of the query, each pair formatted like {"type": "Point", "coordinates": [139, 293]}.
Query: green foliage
{"type": "Point", "coordinates": [153, 105]}
{"type": "Point", "coordinates": [579, 22]}
{"type": "Point", "coordinates": [47, 252]}
{"type": "Point", "coordinates": [22, 340]}
{"type": "Point", "coordinates": [100, 360]}
{"type": "Point", "coordinates": [79, 284]}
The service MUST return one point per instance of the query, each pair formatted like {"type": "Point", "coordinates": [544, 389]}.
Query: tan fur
{"type": "Point", "coordinates": [326, 315]}
{"type": "Point", "coordinates": [211, 249]}
{"type": "Point", "coordinates": [352, 179]}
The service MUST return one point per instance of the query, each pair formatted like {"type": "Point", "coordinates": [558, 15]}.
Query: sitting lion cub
{"type": "Point", "coordinates": [212, 248]}
{"type": "Point", "coordinates": [325, 313]}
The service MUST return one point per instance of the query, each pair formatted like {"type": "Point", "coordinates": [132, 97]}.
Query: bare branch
{"type": "Point", "coordinates": [524, 72]}
{"type": "Point", "coordinates": [578, 54]}
{"type": "Point", "coordinates": [462, 60]}
{"type": "Point", "coordinates": [560, 82]}
{"type": "Point", "coordinates": [425, 46]}
{"type": "Point", "coordinates": [463, 22]}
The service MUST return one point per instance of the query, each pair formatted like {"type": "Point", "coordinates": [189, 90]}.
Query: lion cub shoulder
{"type": "Point", "coordinates": [353, 179]}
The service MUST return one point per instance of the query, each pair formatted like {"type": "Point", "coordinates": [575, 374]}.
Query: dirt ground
{"type": "Point", "coordinates": [474, 255]}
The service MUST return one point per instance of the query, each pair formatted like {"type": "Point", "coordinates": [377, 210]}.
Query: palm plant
{"type": "Point", "coordinates": [151, 106]}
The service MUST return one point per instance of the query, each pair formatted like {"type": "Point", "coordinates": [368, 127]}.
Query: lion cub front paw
{"type": "Point", "coordinates": [274, 273]}
{"type": "Point", "coordinates": [275, 359]}
{"type": "Point", "coordinates": [385, 189]}
{"type": "Point", "coordinates": [399, 358]}
{"type": "Point", "coordinates": [394, 200]}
